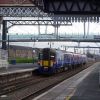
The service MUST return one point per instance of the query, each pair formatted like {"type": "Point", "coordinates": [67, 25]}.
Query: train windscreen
{"type": "Point", "coordinates": [48, 54]}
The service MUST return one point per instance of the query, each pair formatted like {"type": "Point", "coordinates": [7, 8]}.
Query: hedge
{"type": "Point", "coordinates": [23, 60]}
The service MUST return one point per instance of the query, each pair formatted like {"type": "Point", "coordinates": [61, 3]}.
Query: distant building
{"type": "Point", "coordinates": [20, 52]}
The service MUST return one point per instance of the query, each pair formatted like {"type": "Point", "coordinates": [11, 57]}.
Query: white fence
{"type": "Point", "coordinates": [3, 58]}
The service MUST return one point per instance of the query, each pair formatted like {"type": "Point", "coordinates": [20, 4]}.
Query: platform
{"type": "Point", "coordinates": [82, 86]}
{"type": "Point", "coordinates": [17, 68]}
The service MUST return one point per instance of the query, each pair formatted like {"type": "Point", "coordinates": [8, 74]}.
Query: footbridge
{"type": "Point", "coordinates": [53, 37]}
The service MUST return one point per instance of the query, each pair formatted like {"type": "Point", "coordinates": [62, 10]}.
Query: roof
{"type": "Point", "coordinates": [20, 47]}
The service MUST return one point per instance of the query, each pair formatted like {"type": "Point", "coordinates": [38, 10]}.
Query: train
{"type": "Point", "coordinates": [51, 60]}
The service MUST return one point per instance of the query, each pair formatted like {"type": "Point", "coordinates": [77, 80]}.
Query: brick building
{"type": "Point", "coordinates": [20, 52]}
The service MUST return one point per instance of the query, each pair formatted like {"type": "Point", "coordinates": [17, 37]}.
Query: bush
{"type": "Point", "coordinates": [24, 60]}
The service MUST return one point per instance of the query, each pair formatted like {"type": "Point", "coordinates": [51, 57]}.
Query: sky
{"type": "Point", "coordinates": [76, 28]}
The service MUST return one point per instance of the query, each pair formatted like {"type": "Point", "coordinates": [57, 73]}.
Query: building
{"type": "Point", "coordinates": [15, 51]}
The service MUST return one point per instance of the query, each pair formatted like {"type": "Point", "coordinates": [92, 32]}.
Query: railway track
{"type": "Point", "coordinates": [14, 85]}
{"type": "Point", "coordinates": [54, 80]}
{"type": "Point", "coordinates": [31, 87]}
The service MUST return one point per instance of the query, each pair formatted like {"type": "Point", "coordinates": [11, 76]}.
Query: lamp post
{"type": "Point", "coordinates": [8, 47]}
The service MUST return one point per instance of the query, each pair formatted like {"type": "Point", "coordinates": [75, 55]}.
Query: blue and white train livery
{"type": "Point", "coordinates": [52, 60]}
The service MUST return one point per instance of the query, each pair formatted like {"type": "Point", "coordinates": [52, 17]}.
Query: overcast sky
{"type": "Point", "coordinates": [75, 29]}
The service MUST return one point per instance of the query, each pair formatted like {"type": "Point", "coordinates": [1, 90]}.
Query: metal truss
{"type": "Point", "coordinates": [81, 47]}
{"type": "Point", "coordinates": [36, 12]}
{"type": "Point", "coordinates": [39, 22]}
{"type": "Point", "coordinates": [77, 18]}
{"type": "Point", "coordinates": [77, 7]}
{"type": "Point", "coordinates": [24, 11]}
{"type": "Point", "coordinates": [53, 20]}
{"type": "Point", "coordinates": [37, 39]}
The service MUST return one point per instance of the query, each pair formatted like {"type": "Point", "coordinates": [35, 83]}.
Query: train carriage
{"type": "Point", "coordinates": [52, 60]}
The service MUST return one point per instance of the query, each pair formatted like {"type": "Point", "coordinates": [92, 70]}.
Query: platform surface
{"type": "Point", "coordinates": [82, 86]}
{"type": "Point", "coordinates": [18, 68]}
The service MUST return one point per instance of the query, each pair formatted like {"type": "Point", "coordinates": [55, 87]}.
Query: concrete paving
{"type": "Point", "coordinates": [18, 68]}
{"type": "Point", "coordinates": [82, 86]}
{"type": "Point", "coordinates": [88, 89]}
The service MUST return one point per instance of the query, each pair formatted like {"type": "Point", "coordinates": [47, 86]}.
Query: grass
{"type": "Point", "coordinates": [22, 60]}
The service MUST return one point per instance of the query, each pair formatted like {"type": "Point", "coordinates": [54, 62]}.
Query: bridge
{"type": "Point", "coordinates": [53, 37]}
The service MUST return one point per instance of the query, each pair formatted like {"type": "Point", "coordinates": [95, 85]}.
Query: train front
{"type": "Point", "coordinates": [47, 61]}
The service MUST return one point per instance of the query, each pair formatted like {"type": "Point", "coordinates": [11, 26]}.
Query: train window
{"type": "Point", "coordinates": [67, 57]}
